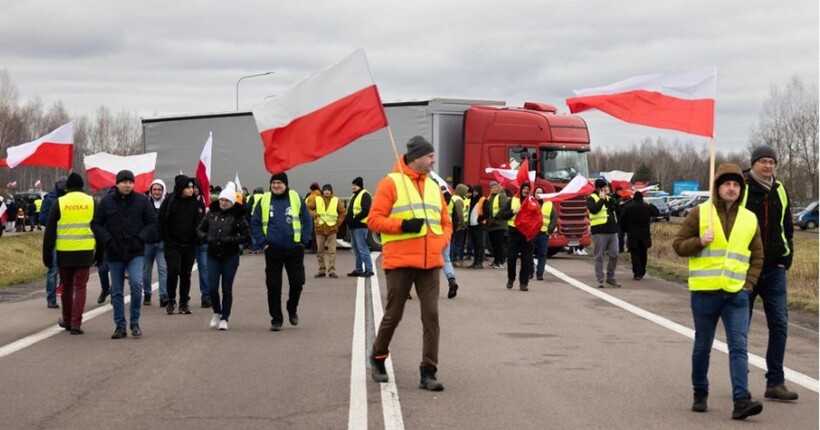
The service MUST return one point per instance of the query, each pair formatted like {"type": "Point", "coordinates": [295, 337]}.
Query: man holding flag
{"type": "Point", "coordinates": [603, 223]}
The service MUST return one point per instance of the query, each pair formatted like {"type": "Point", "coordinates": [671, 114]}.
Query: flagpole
{"type": "Point", "coordinates": [711, 179]}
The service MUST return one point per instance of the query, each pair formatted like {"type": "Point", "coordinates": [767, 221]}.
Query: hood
{"type": "Point", "coordinates": [479, 190]}
{"type": "Point", "coordinates": [161, 184]}
{"type": "Point", "coordinates": [180, 183]}
{"type": "Point", "coordinates": [461, 190]}
{"type": "Point", "coordinates": [728, 169]}
{"type": "Point", "coordinates": [157, 203]}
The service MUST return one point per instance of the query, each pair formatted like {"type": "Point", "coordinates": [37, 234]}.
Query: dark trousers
{"type": "Point", "coordinates": [105, 280]}
{"type": "Point", "coordinates": [224, 268]}
{"type": "Point", "coordinates": [457, 245]}
{"type": "Point", "coordinates": [293, 261]}
{"type": "Point", "coordinates": [74, 281]}
{"type": "Point", "coordinates": [477, 236]}
{"type": "Point", "coordinates": [638, 254]}
{"type": "Point", "coordinates": [518, 244]}
{"type": "Point", "coordinates": [180, 261]}
{"type": "Point", "coordinates": [498, 244]}
{"type": "Point", "coordinates": [399, 284]}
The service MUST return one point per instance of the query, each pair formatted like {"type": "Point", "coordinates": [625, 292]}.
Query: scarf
{"type": "Point", "coordinates": [766, 184]}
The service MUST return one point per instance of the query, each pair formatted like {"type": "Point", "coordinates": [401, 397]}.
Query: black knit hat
{"type": "Point", "coordinates": [418, 147]}
{"type": "Point", "coordinates": [74, 182]}
{"type": "Point", "coordinates": [125, 175]}
{"type": "Point", "coordinates": [358, 182]}
{"type": "Point", "coordinates": [279, 177]}
{"type": "Point", "coordinates": [763, 151]}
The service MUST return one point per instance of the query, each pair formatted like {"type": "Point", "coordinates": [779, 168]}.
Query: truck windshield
{"type": "Point", "coordinates": [562, 166]}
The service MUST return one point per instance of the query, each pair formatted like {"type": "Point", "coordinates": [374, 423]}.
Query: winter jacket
{"type": "Point", "coordinates": [280, 223]}
{"type": "Point", "coordinates": [124, 223]}
{"type": "Point", "coordinates": [49, 200]}
{"type": "Point", "coordinates": [355, 221]}
{"type": "Point", "coordinates": [635, 220]}
{"type": "Point", "coordinates": [224, 230]}
{"type": "Point", "coordinates": [322, 229]}
{"type": "Point", "coordinates": [773, 225]}
{"type": "Point", "coordinates": [687, 241]}
{"type": "Point", "coordinates": [421, 252]}
{"type": "Point", "coordinates": [180, 216]}
{"type": "Point", "coordinates": [495, 222]}
{"type": "Point", "coordinates": [594, 207]}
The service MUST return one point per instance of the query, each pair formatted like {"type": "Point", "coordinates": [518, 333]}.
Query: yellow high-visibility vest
{"type": "Point", "coordinates": [724, 263]}
{"type": "Point", "coordinates": [546, 213]}
{"type": "Point", "coordinates": [38, 204]}
{"type": "Point", "coordinates": [327, 216]}
{"type": "Point", "coordinates": [515, 203]}
{"type": "Point", "coordinates": [601, 216]}
{"type": "Point", "coordinates": [409, 204]}
{"type": "Point", "coordinates": [295, 211]}
{"type": "Point", "coordinates": [465, 206]}
{"type": "Point", "coordinates": [357, 204]}
{"type": "Point", "coordinates": [74, 226]}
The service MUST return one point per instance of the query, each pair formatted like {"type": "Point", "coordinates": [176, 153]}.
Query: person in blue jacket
{"type": "Point", "coordinates": [282, 223]}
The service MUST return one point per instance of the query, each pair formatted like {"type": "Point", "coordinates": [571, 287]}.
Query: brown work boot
{"type": "Point", "coordinates": [780, 392]}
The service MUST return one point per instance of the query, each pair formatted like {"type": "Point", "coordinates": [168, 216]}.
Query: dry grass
{"type": "Point", "coordinates": [802, 278]}
{"type": "Point", "coordinates": [22, 258]}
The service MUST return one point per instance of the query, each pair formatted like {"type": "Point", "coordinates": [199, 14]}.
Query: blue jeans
{"type": "Point", "coordinates": [733, 309]}
{"type": "Point", "coordinates": [202, 268]}
{"type": "Point", "coordinates": [771, 287]}
{"type": "Point", "coordinates": [449, 272]}
{"type": "Point", "coordinates": [51, 279]}
{"type": "Point", "coordinates": [118, 268]}
{"type": "Point", "coordinates": [358, 239]}
{"type": "Point", "coordinates": [155, 251]}
{"type": "Point", "coordinates": [457, 246]}
{"type": "Point", "coordinates": [225, 268]}
{"type": "Point", "coordinates": [542, 241]}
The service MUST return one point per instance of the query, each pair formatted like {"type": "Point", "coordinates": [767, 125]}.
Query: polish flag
{"type": "Point", "coordinates": [320, 114]}
{"type": "Point", "coordinates": [442, 183]}
{"type": "Point", "coordinates": [237, 183]}
{"type": "Point", "coordinates": [510, 178]}
{"type": "Point", "coordinates": [203, 169]}
{"type": "Point", "coordinates": [101, 169]}
{"type": "Point", "coordinates": [55, 149]}
{"type": "Point", "coordinates": [677, 101]}
{"type": "Point", "coordinates": [578, 186]}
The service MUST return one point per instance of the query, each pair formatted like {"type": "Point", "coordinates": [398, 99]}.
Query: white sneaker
{"type": "Point", "coordinates": [215, 320]}
{"type": "Point", "coordinates": [583, 252]}
{"type": "Point", "coordinates": [223, 325]}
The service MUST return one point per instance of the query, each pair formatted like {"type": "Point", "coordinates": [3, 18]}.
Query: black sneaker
{"type": "Point", "coordinates": [53, 305]}
{"type": "Point", "coordinates": [377, 370]}
{"type": "Point", "coordinates": [184, 309]}
{"type": "Point", "coordinates": [206, 303]}
{"type": "Point", "coordinates": [135, 330]}
{"type": "Point", "coordinates": [453, 290]}
{"type": "Point", "coordinates": [163, 300]}
{"type": "Point", "coordinates": [76, 330]}
{"type": "Point", "coordinates": [293, 319]}
{"type": "Point", "coordinates": [119, 333]}
{"type": "Point", "coordinates": [169, 308]}
{"type": "Point", "coordinates": [428, 379]}
{"type": "Point", "coordinates": [276, 326]}
{"type": "Point", "coordinates": [102, 297]}
{"type": "Point", "coordinates": [64, 324]}
{"type": "Point", "coordinates": [524, 287]}
{"type": "Point", "coordinates": [510, 284]}
{"type": "Point", "coordinates": [368, 274]}
{"type": "Point", "coordinates": [614, 283]}
{"type": "Point", "coordinates": [355, 274]}
{"type": "Point", "coordinates": [146, 301]}
{"type": "Point", "coordinates": [746, 408]}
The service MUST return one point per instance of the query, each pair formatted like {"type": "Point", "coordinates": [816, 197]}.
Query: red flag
{"type": "Point", "coordinates": [101, 169]}
{"type": "Point", "coordinates": [676, 101]}
{"type": "Point", "coordinates": [203, 170]}
{"type": "Point", "coordinates": [529, 219]}
{"type": "Point", "coordinates": [523, 172]}
{"type": "Point", "coordinates": [320, 114]}
{"type": "Point", "coordinates": [55, 149]}
{"type": "Point", "coordinates": [578, 186]}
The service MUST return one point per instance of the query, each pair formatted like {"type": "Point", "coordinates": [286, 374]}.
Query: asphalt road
{"type": "Point", "coordinates": [564, 355]}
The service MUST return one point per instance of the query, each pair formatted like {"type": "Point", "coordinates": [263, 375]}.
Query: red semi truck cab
{"type": "Point", "coordinates": [555, 144]}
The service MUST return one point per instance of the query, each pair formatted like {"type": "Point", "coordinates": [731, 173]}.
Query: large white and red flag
{"type": "Point", "coordinates": [578, 186]}
{"type": "Point", "coordinates": [512, 178]}
{"type": "Point", "coordinates": [203, 169]}
{"type": "Point", "coordinates": [55, 149]}
{"type": "Point", "coordinates": [101, 169]}
{"type": "Point", "coordinates": [320, 114]}
{"type": "Point", "coordinates": [677, 101]}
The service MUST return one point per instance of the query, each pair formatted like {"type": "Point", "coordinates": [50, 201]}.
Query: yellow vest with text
{"type": "Point", "coordinates": [74, 226]}
{"type": "Point", "coordinates": [546, 213]}
{"type": "Point", "coordinates": [357, 204]}
{"type": "Point", "coordinates": [327, 216]}
{"type": "Point", "coordinates": [295, 212]}
{"type": "Point", "coordinates": [601, 216]}
{"type": "Point", "coordinates": [409, 204]}
{"type": "Point", "coordinates": [724, 263]}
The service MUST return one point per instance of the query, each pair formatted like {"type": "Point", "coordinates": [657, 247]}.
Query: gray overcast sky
{"type": "Point", "coordinates": [180, 57]}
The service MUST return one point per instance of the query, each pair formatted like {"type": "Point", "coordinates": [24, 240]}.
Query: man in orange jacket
{"type": "Point", "coordinates": [410, 213]}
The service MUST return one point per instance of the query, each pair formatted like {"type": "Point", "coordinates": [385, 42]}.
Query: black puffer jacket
{"type": "Point", "coordinates": [224, 230]}
{"type": "Point", "coordinates": [124, 223]}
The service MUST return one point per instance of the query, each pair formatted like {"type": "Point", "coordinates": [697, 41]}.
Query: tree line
{"type": "Point", "coordinates": [788, 122]}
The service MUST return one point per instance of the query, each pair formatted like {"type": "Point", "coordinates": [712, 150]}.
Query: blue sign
{"type": "Point", "coordinates": [680, 186]}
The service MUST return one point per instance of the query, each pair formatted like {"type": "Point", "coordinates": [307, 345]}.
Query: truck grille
{"type": "Point", "coordinates": [573, 218]}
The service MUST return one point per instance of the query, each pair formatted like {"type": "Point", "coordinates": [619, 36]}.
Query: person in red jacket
{"type": "Point", "coordinates": [410, 213]}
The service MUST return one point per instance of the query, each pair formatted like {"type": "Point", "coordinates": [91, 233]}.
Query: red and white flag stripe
{"type": "Point", "coordinates": [55, 149]}
{"type": "Point", "coordinates": [578, 186]}
{"type": "Point", "coordinates": [320, 114]}
{"type": "Point", "coordinates": [677, 101]}
{"type": "Point", "coordinates": [101, 169]}
{"type": "Point", "coordinates": [203, 169]}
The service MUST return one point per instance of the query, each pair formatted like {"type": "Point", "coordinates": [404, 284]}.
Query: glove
{"type": "Point", "coordinates": [412, 225]}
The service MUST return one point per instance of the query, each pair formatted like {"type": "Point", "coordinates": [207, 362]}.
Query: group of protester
{"type": "Point", "coordinates": [21, 212]}
{"type": "Point", "coordinates": [739, 248]}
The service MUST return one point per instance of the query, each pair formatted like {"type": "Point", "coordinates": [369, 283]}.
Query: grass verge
{"type": "Point", "coordinates": [22, 258]}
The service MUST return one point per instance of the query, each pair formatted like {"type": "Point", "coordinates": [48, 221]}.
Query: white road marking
{"type": "Point", "coordinates": [357, 414]}
{"type": "Point", "coordinates": [755, 360]}
{"type": "Point", "coordinates": [391, 408]}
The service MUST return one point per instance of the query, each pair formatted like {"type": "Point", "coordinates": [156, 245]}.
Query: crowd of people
{"type": "Point", "coordinates": [738, 244]}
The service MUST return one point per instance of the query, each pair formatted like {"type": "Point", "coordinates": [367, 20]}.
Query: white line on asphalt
{"type": "Point", "coordinates": [51, 331]}
{"type": "Point", "coordinates": [391, 408]}
{"type": "Point", "coordinates": [357, 414]}
{"type": "Point", "coordinates": [759, 362]}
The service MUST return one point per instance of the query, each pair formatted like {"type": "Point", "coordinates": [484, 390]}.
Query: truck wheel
{"type": "Point", "coordinates": [373, 241]}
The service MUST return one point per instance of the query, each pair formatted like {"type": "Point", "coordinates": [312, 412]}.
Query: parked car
{"type": "Point", "coordinates": [807, 218]}
{"type": "Point", "coordinates": [663, 208]}
{"type": "Point", "coordinates": [684, 210]}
